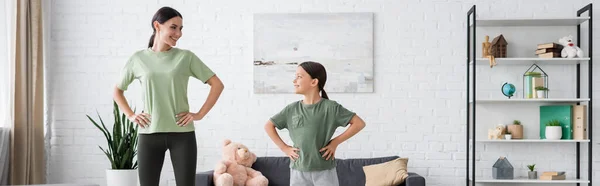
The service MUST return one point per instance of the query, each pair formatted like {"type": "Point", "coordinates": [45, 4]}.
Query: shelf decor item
{"type": "Point", "coordinates": [486, 53]}
{"type": "Point", "coordinates": [569, 49]}
{"type": "Point", "coordinates": [534, 77]}
{"type": "Point", "coordinates": [508, 136]}
{"type": "Point", "coordinates": [498, 48]}
{"type": "Point", "coordinates": [502, 169]}
{"type": "Point", "coordinates": [532, 174]}
{"type": "Point", "coordinates": [516, 129]}
{"type": "Point", "coordinates": [508, 89]}
{"type": "Point", "coordinates": [553, 130]}
{"type": "Point", "coordinates": [541, 92]}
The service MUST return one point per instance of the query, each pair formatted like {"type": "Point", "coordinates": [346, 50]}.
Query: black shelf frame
{"type": "Point", "coordinates": [471, 101]}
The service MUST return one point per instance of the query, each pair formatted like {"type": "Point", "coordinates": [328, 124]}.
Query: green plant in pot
{"type": "Point", "coordinates": [541, 92]}
{"type": "Point", "coordinates": [516, 129]}
{"type": "Point", "coordinates": [553, 130]}
{"type": "Point", "coordinates": [121, 150]}
{"type": "Point", "coordinates": [532, 174]}
{"type": "Point", "coordinates": [507, 135]}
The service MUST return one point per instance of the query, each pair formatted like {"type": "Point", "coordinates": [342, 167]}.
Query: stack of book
{"type": "Point", "coordinates": [551, 175]}
{"type": "Point", "coordinates": [548, 50]}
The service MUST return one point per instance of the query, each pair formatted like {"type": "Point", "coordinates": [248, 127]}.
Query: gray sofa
{"type": "Point", "coordinates": [350, 171]}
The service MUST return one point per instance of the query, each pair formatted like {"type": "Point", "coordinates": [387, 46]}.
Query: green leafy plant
{"type": "Point", "coordinates": [516, 122]}
{"type": "Point", "coordinates": [531, 167]}
{"type": "Point", "coordinates": [553, 122]}
{"type": "Point", "coordinates": [122, 142]}
{"type": "Point", "coordinates": [533, 74]}
{"type": "Point", "coordinates": [541, 88]}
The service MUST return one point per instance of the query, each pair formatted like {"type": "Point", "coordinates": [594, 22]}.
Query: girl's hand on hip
{"type": "Point", "coordinates": [329, 151]}
{"type": "Point", "coordinates": [142, 119]}
{"type": "Point", "coordinates": [187, 117]}
{"type": "Point", "coordinates": [291, 152]}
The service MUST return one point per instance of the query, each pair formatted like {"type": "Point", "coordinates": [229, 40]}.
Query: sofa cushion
{"type": "Point", "coordinates": [350, 171]}
{"type": "Point", "coordinates": [389, 173]}
{"type": "Point", "coordinates": [276, 169]}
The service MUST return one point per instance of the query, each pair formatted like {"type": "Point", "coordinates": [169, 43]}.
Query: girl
{"type": "Point", "coordinates": [166, 122]}
{"type": "Point", "coordinates": [311, 123]}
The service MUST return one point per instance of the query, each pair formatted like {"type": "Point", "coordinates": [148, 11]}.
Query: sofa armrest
{"type": "Point", "coordinates": [204, 178]}
{"type": "Point", "coordinates": [414, 179]}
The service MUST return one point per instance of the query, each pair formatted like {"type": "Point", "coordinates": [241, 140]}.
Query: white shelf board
{"type": "Point", "coordinates": [532, 141]}
{"type": "Point", "coordinates": [525, 180]}
{"type": "Point", "coordinates": [504, 22]}
{"type": "Point", "coordinates": [529, 61]}
{"type": "Point", "coordinates": [519, 100]}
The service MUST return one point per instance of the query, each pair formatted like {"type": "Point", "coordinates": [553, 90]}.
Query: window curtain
{"type": "Point", "coordinates": [7, 68]}
{"type": "Point", "coordinates": [27, 155]}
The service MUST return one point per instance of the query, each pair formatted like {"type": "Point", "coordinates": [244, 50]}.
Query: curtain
{"type": "Point", "coordinates": [7, 25]}
{"type": "Point", "coordinates": [27, 140]}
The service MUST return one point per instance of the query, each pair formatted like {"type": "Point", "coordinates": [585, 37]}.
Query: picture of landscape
{"type": "Point", "coordinates": [342, 42]}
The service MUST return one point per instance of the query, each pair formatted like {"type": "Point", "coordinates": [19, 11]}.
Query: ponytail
{"type": "Point", "coordinates": [324, 94]}
{"type": "Point", "coordinates": [161, 16]}
{"type": "Point", "coordinates": [151, 42]}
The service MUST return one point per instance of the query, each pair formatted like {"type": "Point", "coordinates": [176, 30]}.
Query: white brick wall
{"type": "Point", "coordinates": [417, 110]}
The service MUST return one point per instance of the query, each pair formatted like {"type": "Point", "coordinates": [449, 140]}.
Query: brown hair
{"type": "Point", "coordinates": [316, 71]}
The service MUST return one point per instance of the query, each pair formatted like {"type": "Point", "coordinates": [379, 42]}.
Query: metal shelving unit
{"type": "Point", "coordinates": [472, 101]}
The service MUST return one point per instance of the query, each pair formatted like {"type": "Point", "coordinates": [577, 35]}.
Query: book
{"type": "Point", "coordinates": [553, 176]}
{"type": "Point", "coordinates": [550, 45]}
{"type": "Point", "coordinates": [536, 82]}
{"type": "Point", "coordinates": [579, 122]}
{"type": "Point", "coordinates": [549, 55]}
{"type": "Point", "coordinates": [548, 50]}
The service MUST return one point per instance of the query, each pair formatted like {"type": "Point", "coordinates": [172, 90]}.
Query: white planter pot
{"type": "Point", "coordinates": [541, 94]}
{"type": "Point", "coordinates": [122, 177]}
{"type": "Point", "coordinates": [508, 136]}
{"type": "Point", "coordinates": [553, 132]}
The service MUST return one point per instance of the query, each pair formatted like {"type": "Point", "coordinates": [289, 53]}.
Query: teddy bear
{"type": "Point", "coordinates": [235, 168]}
{"type": "Point", "coordinates": [497, 132]}
{"type": "Point", "coordinates": [569, 49]}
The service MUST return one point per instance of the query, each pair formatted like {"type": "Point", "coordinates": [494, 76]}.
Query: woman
{"type": "Point", "coordinates": [166, 122]}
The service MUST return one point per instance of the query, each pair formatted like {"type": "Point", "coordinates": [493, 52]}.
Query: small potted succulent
{"type": "Point", "coordinates": [532, 174]}
{"type": "Point", "coordinates": [507, 135]}
{"type": "Point", "coordinates": [541, 92]}
{"type": "Point", "coordinates": [553, 130]}
{"type": "Point", "coordinates": [516, 129]}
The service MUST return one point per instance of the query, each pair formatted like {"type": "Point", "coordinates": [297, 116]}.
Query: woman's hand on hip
{"type": "Point", "coordinates": [186, 117]}
{"type": "Point", "coordinates": [142, 119]}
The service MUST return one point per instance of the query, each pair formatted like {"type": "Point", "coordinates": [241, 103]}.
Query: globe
{"type": "Point", "coordinates": [508, 90]}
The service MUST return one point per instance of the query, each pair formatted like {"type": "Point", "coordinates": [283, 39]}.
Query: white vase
{"type": "Point", "coordinates": [541, 94]}
{"type": "Point", "coordinates": [122, 177]}
{"type": "Point", "coordinates": [553, 132]}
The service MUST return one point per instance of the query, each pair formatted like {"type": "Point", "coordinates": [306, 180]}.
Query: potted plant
{"type": "Point", "coordinates": [121, 149]}
{"type": "Point", "coordinates": [508, 135]}
{"type": "Point", "coordinates": [532, 174]}
{"type": "Point", "coordinates": [553, 130]}
{"type": "Point", "coordinates": [516, 129]}
{"type": "Point", "coordinates": [541, 91]}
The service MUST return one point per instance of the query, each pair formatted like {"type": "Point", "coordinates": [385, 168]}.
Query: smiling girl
{"type": "Point", "coordinates": [311, 123]}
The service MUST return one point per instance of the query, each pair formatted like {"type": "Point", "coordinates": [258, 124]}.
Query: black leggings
{"type": "Point", "coordinates": [151, 155]}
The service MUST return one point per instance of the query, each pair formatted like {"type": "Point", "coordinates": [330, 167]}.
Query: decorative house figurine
{"type": "Point", "coordinates": [532, 78]}
{"type": "Point", "coordinates": [498, 48]}
{"type": "Point", "coordinates": [502, 169]}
